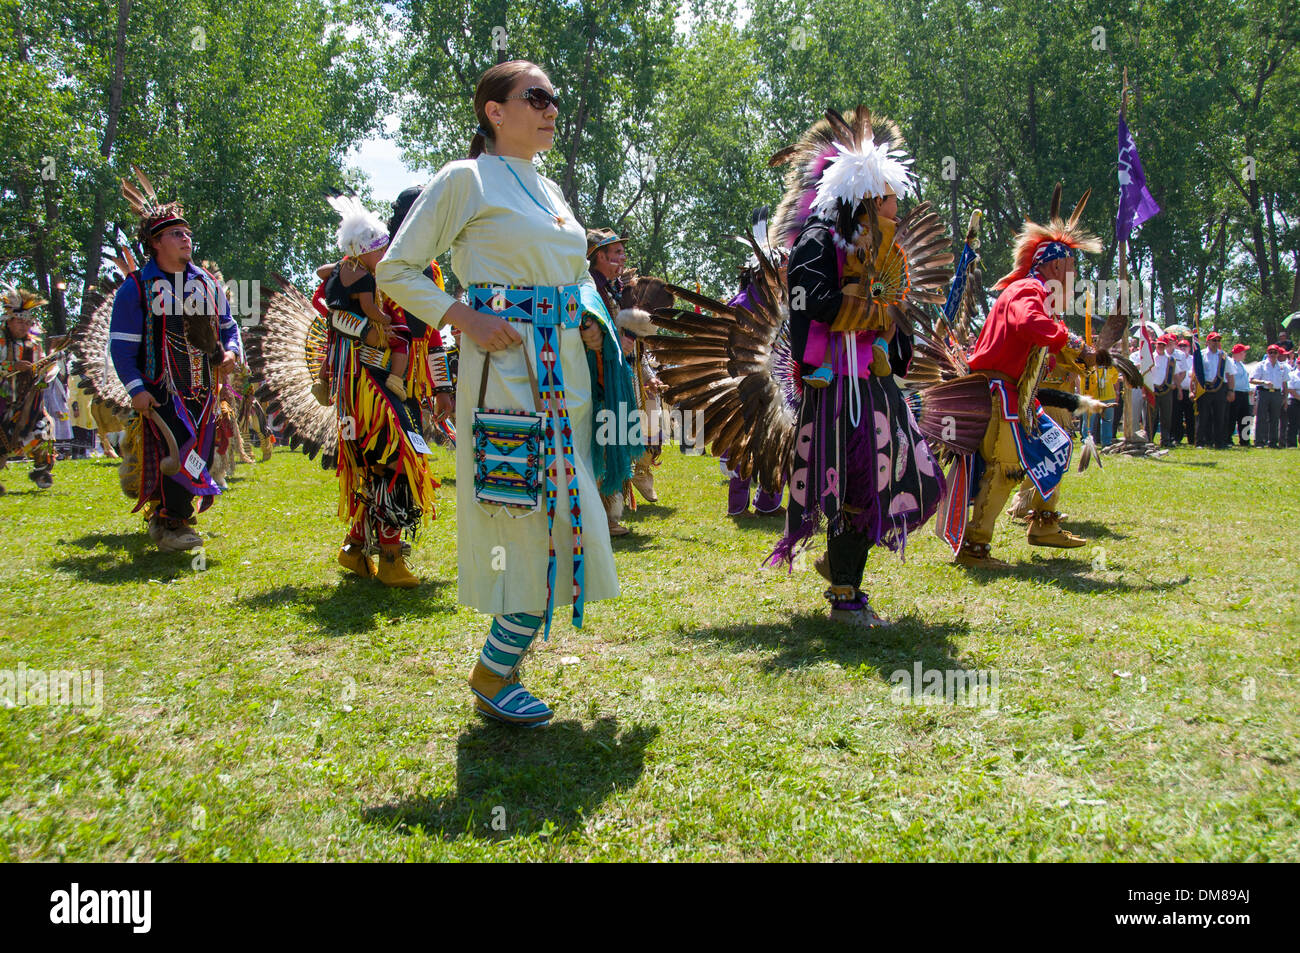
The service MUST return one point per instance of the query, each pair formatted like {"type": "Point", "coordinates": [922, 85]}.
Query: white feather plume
{"type": "Point", "coordinates": [853, 175]}
{"type": "Point", "coordinates": [360, 230]}
{"type": "Point", "coordinates": [635, 322]}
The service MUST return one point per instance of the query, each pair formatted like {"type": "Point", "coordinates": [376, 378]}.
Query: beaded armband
{"type": "Point", "coordinates": [440, 370]}
{"type": "Point", "coordinates": [349, 324]}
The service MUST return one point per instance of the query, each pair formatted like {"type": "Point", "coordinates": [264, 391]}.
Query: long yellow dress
{"type": "Point", "coordinates": [498, 235]}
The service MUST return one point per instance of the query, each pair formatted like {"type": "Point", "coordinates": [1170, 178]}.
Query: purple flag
{"type": "Point", "coordinates": [1135, 202]}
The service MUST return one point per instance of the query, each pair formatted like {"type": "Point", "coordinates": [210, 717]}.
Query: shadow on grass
{"type": "Point", "coordinates": [543, 780]}
{"type": "Point", "coordinates": [352, 606]}
{"type": "Point", "coordinates": [658, 510]}
{"type": "Point", "coordinates": [809, 639]}
{"type": "Point", "coordinates": [1091, 529]}
{"type": "Point", "coordinates": [27, 488]}
{"type": "Point", "coordinates": [766, 522]}
{"type": "Point", "coordinates": [636, 541]}
{"type": "Point", "coordinates": [131, 557]}
{"type": "Point", "coordinates": [1071, 573]}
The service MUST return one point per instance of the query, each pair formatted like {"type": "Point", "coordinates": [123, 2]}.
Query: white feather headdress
{"type": "Point", "coordinates": [360, 230]}
{"type": "Point", "coordinates": [841, 158]}
{"type": "Point", "coordinates": [865, 170]}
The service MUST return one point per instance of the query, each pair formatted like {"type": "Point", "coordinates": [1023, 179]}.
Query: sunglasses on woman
{"type": "Point", "coordinates": [538, 97]}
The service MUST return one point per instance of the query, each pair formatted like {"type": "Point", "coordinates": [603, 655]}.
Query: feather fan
{"type": "Point", "coordinates": [285, 353]}
{"type": "Point", "coordinates": [90, 354]}
{"type": "Point", "coordinates": [731, 365]}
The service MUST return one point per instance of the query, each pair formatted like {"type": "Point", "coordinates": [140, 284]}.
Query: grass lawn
{"type": "Point", "coordinates": [266, 707]}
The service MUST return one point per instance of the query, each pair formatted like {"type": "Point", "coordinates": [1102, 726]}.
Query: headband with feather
{"type": "Point", "coordinates": [360, 230]}
{"type": "Point", "coordinates": [840, 161]}
{"type": "Point", "coordinates": [155, 215]}
{"type": "Point", "coordinates": [1033, 237]}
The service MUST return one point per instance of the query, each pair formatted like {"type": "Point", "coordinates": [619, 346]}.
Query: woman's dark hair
{"type": "Point", "coordinates": [493, 87]}
{"type": "Point", "coordinates": [401, 205]}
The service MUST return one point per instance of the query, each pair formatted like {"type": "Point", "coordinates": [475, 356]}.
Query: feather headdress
{"type": "Point", "coordinates": [841, 159]}
{"type": "Point", "coordinates": [869, 171]}
{"type": "Point", "coordinates": [360, 230]}
{"type": "Point", "coordinates": [1033, 237]}
{"type": "Point", "coordinates": [18, 300]}
{"type": "Point", "coordinates": [155, 215]}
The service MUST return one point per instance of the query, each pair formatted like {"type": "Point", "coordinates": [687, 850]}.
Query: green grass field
{"type": "Point", "coordinates": [264, 707]}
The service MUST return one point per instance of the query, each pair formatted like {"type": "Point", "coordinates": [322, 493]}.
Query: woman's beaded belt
{"type": "Point", "coordinates": [542, 305]}
{"type": "Point", "coordinates": [548, 308]}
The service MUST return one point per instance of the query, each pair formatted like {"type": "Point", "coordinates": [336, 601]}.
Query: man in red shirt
{"type": "Point", "coordinates": [1023, 327]}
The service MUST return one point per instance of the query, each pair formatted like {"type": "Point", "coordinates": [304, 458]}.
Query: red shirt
{"type": "Point", "coordinates": [1018, 323]}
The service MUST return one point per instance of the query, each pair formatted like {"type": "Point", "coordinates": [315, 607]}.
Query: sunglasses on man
{"type": "Point", "coordinates": [538, 97]}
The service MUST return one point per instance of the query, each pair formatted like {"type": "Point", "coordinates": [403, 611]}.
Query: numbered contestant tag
{"type": "Point", "coordinates": [194, 465]}
{"type": "Point", "coordinates": [1055, 438]}
{"type": "Point", "coordinates": [418, 442]}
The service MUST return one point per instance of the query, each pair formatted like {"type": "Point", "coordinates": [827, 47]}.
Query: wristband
{"type": "Point", "coordinates": [440, 371]}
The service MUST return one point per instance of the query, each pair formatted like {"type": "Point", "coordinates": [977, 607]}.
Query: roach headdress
{"type": "Point", "coordinates": [1039, 243]}
{"type": "Point", "coordinates": [155, 215]}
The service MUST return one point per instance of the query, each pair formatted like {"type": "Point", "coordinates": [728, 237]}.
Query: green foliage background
{"type": "Point", "coordinates": [670, 110]}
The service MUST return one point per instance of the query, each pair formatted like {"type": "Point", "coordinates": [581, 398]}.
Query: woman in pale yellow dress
{"type": "Point", "coordinates": [533, 310]}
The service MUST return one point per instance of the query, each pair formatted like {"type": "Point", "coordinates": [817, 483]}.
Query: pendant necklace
{"type": "Point", "coordinates": [559, 219]}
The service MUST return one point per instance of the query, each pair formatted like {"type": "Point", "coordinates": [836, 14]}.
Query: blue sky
{"type": "Point", "coordinates": [381, 161]}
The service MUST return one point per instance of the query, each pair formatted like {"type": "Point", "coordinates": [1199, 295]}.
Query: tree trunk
{"type": "Point", "coordinates": [95, 240]}
{"type": "Point", "coordinates": [1257, 232]}
{"type": "Point", "coordinates": [1295, 285]}
{"type": "Point", "coordinates": [567, 186]}
{"type": "Point", "coordinates": [1168, 296]}
{"type": "Point", "coordinates": [58, 304]}
{"type": "Point", "coordinates": [1223, 267]}
{"type": "Point", "coordinates": [1203, 270]}
{"type": "Point", "coordinates": [1031, 111]}
{"type": "Point", "coordinates": [40, 260]}
{"type": "Point", "coordinates": [1273, 256]}
{"type": "Point", "coordinates": [47, 284]}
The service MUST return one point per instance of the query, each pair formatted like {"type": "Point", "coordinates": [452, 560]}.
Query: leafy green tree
{"type": "Point", "coordinates": [243, 110]}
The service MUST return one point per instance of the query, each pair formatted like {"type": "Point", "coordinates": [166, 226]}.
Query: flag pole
{"type": "Point", "coordinates": [1122, 300]}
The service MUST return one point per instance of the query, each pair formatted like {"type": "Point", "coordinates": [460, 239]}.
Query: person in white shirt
{"type": "Point", "coordinates": [1271, 379]}
{"type": "Point", "coordinates": [1162, 381]}
{"type": "Point", "coordinates": [1141, 416]}
{"type": "Point", "coordinates": [1212, 406]}
{"type": "Point", "coordinates": [1239, 411]}
{"type": "Point", "coordinates": [1184, 411]}
{"type": "Point", "coordinates": [1291, 413]}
